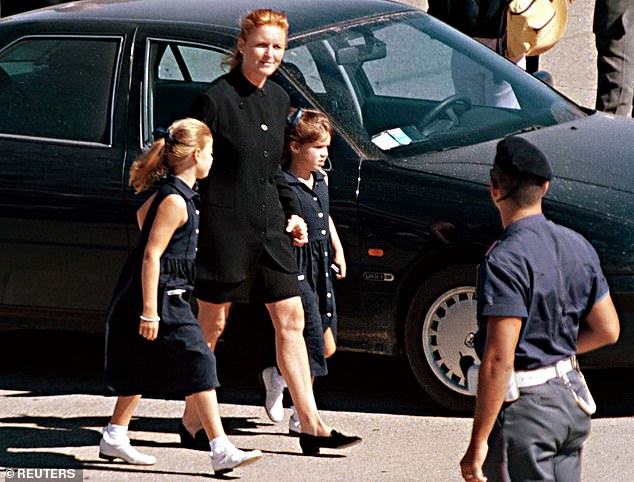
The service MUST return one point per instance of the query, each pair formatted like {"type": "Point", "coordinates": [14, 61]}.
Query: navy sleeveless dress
{"type": "Point", "coordinates": [179, 362]}
{"type": "Point", "coordinates": [315, 274]}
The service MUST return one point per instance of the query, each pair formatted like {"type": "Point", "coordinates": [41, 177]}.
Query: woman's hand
{"type": "Point", "coordinates": [298, 230]}
{"type": "Point", "coordinates": [148, 329]}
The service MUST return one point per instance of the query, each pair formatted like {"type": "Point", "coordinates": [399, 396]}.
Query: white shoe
{"type": "Point", "coordinates": [274, 385]}
{"type": "Point", "coordinates": [294, 427]}
{"type": "Point", "coordinates": [231, 458]}
{"type": "Point", "coordinates": [110, 450]}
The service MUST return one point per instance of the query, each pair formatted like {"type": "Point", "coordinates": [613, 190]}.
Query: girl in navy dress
{"type": "Point", "coordinates": [308, 137]}
{"type": "Point", "coordinates": [154, 345]}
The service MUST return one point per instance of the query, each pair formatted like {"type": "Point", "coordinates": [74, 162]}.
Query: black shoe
{"type": "Point", "coordinates": [311, 444]}
{"type": "Point", "coordinates": [197, 442]}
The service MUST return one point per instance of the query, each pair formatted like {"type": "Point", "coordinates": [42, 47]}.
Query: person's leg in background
{"type": "Point", "coordinates": [614, 39]}
{"type": "Point", "coordinates": [532, 64]}
{"type": "Point", "coordinates": [212, 318]}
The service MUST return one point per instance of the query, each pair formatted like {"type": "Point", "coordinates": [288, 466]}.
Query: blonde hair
{"type": "Point", "coordinates": [304, 126]}
{"type": "Point", "coordinates": [255, 19]}
{"type": "Point", "coordinates": [169, 153]}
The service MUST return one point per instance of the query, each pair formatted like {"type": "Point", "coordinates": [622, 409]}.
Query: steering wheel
{"type": "Point", "coordinates": [446, 108]}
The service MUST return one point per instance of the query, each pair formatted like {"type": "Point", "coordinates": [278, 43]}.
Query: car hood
{"type": "Point", "coordinates": [592, 160]}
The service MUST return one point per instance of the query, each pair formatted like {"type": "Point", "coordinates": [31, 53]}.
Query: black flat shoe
{"type": "Point", "coordinates": [311, 444]}
{"type": "Point", "coordinates": [197, 442]}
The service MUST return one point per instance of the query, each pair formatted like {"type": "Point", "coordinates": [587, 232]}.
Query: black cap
{"type": "Point", "coordinates": [516, 154]}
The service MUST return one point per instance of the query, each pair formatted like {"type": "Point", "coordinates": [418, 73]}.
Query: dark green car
{"type": "Point", "coordinates": [83, 85]}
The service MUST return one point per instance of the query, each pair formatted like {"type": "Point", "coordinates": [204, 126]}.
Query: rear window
{"type": "Point", "coordinates": [60, 88]}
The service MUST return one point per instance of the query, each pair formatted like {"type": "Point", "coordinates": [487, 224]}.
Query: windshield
{"type": "Point", "coordinates": [410, 84]}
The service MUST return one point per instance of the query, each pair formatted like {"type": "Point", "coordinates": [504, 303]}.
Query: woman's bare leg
{"type": "Point", "coordinates": [292, 360]}
{"type": "Point", "coordinates": [206, 406]}
{"type": "Point", "coordinates": [212, 319]}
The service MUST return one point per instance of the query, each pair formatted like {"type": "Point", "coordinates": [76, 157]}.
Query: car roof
{"type": "Point", "coordinates": [304, 15]}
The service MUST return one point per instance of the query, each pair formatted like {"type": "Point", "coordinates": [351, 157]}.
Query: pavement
{"type": "Point", "coordinates": [63, 432]}
{"type": "Point", "coordinates": [51, 411]}
{"type": "Point", "coordinates": [51, 414]}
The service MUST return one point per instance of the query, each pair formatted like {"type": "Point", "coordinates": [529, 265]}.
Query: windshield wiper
{"type": "Point", "coordinates": [530, 128]}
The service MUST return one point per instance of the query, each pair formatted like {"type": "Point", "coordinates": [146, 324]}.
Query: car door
{"type": "Point", "coordinates": [173, 65]}
{"type": "Point", "coordinates": [63, 237]}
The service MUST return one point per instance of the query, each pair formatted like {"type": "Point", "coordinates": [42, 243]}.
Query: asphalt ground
{"type": "Point", "coordinates": [51, 408]}
{"type": "Point", "coordinates": [51, 413]}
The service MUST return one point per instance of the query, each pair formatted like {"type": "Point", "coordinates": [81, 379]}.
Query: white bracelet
{"type": "Point", "coordinates": [150, 320]}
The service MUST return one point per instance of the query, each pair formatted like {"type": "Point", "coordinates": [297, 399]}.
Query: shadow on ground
{"type": "Point", "coordinates": [57, 363]}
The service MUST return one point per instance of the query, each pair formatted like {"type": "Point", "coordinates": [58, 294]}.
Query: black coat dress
{"type": "Point", "coordinates": [476, 18]}
{"type": "Point", "coordinates": [179, 362]}
{"type": "Point", "coordinates": [245, 199]}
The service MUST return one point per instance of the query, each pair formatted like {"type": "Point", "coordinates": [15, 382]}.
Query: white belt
{"type": "Point", "coordinates": [530, 378]}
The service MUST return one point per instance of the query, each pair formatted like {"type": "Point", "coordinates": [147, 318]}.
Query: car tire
{"type": "Point", "coordinates": [439, 329]}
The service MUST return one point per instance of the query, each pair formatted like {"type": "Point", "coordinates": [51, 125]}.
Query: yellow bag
{"type": "Point", "coordinates": [534, 26]}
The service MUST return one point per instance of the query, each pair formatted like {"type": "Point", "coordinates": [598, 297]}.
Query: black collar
{"type": "Point", "coordinates": [242, 85]}
{"type": "Point", "coordinates": [318, 176]}
{"type": "Point", "coordinates": [181, 186]}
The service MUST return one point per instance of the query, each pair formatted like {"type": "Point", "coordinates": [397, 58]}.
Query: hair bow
{"type": "Point", "coordinates": [293, 119]}
{"type": "Point", "coordinates": [163, 133]}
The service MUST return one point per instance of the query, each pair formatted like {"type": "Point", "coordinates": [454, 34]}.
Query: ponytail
{"type": "Point", "coordinates": [170, 152]}
{"type": "Point", "coordinates": [149, 167]}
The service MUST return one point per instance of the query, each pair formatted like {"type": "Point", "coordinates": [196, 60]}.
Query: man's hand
{"type": "Point", "coordinates": [298, 230]}
{"type": "Point", "coordinates": [493, 378]}
{"type": "Point", "coordinates": [471, 463]}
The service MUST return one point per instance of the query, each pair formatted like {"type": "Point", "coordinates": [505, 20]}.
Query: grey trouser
{"type": "Point", "coordinates": [614, 39]}
{"type": "Point", "coordinates": [539, 437]}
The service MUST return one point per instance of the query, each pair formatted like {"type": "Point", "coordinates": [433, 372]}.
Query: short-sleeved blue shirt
{"type": "Point", "coordinates": [547, 275]}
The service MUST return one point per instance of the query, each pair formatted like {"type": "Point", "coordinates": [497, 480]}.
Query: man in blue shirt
{"type": "Point", "coordinates": [542, 298]}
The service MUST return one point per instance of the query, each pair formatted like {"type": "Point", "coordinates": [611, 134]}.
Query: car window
{"type": "Point", "coordinates": [425, 64]}
{"type": "Point", "coordinates": [59, 88]}
{"type": "Point", "coordinates": [176, 74]}
{"type": "Point", "coordinates": [201, 65]}
{"type": "Point", "coordinates": [299, 63]}
{"type": "Point", "coordinates": [411, 84]}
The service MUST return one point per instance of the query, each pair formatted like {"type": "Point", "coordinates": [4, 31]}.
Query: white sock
{"type": "Point", "coordinates": [118, 433]}
{"type": "Point", "coordinates": [220, 445]}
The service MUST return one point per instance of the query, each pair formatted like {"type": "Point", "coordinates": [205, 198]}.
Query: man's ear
{"type": "Point", "coordinates": [545, 187]}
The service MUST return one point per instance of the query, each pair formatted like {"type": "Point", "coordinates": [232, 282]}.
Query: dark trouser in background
{"type": "Point", "coordinates": [614, 38]}
{"type": "Point", "coordinates": [540, 435]}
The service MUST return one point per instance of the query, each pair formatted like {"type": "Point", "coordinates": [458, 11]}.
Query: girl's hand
{"type": "Point", "coordinates": [298, 230]}
{"type": "Point", "coordinates": [148, 329]}
{"type": "Point", "coordinates": [340, 261]}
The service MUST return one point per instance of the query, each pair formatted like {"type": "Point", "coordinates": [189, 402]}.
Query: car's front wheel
{"type": "Point", "coordinates": [439, 330]}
